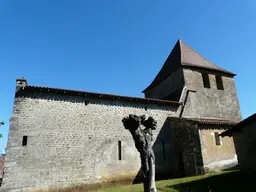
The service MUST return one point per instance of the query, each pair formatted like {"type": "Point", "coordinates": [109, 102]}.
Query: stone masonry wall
{"type": "Point", "coordinates": [216, 157]}
{"type": "Point", "coordinates": [211, 102]}
{"type": "Point", "coordinates": [70, 141]}
{"type": "Point", "coordinates": [187, 142]}
{"type": "Point", "coordinates": [199, 151]}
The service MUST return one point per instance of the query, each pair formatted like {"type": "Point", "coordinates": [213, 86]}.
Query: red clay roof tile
{"type": "Point", "coordinates": [207, 121]}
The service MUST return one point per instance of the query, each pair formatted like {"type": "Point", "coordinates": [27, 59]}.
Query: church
{"type": "Point", "coordinates": [64, 137]}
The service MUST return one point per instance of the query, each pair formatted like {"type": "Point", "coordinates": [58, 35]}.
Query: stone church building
{"type": "Point", "coordinates": [60, 136]}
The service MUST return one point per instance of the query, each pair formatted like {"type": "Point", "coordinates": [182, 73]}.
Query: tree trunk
{"type": "Point", "coordinates": [145, 171]}
{"type": "Point", "coordinates": [148, 166]}
{"type": "Point", "coordinates": [152, 173]}
{"type": "Point", "coordinates": [143, 143]}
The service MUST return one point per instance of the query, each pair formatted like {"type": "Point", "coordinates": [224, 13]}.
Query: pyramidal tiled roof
{"type": "Point", "coordinates": [183, 55]}
{"type": "Point", "coordinates": [191, 58]}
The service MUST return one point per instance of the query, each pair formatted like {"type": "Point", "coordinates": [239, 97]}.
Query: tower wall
{"type": "Point", "coordinates": [173, 83]}
{"type": "Point", "coordinates": [211, 102]}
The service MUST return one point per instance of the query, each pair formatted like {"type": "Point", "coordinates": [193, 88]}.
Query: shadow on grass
{"type": "Point", "coordinates": [235, 181]}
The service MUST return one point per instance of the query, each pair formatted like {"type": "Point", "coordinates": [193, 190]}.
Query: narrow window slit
{"type": "Point", "coordinates": [219, 82]}
{"type": "Point", "coordinates": [206, 80]}
{"type": "Point", "coordinates": [119, 150]}
{"type": "Point", "coordinates": [24, 140]}
{"type": "Point", "coordinates": [217, 138]}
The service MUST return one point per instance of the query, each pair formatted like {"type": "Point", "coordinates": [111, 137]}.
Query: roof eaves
{"type": "Point", "coordinates": [100, 95]}
{"type": "Point", "coordinates": [246, 121]}
{"type": "Point", "coordinates": [207, 68]}
{"type": "Point", "coordinates": [216, 122]}
{"type": "Point", "coordinates": [226, 133]}
{"type": "Point", "coordinates": [207, 121]}
{"type": "Point", "coordinates": [239, 126]}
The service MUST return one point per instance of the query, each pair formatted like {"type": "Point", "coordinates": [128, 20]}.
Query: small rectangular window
{"type": "Point", "coordinates": [217, 138]}
{"type": "Point", "coordinates": [119, 150]}
{"type": "Point", "coordinates": [24, 140]}
{"type": "Point", "coordinates": [206, 80]}
{"type": "Point", "coordinates": [163, 145]}
{"type": "Point", "coordinates": [85, 102]}
{"type": "Point", "coordinates": [219, 82]}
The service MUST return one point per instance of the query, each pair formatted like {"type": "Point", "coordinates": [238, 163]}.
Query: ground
{"type": "Point", "coordinates": [233, 181]}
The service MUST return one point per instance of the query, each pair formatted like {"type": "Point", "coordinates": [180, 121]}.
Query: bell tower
{"type": "Point", "coordinates": [206, 90]}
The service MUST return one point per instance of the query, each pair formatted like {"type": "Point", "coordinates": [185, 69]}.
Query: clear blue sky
{"type": "Point", "coordinates": [119, 46]}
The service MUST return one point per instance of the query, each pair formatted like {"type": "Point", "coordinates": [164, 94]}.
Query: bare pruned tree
{"type": "Point", "coordinates": [141, 131]}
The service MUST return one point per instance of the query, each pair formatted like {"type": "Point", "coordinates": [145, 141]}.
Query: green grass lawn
{"type": "Point", "coordinates": [232, 181]}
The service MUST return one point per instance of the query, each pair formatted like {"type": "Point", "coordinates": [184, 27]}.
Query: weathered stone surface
{"type": "Point", "coordinates": [216, 157]}
{"type": "Point", "coordinates": [70, 142]}
{"type": "Point", "coordinates": [211, 102]}
{"type": "Point", "coordinates": [187, 143]}
{"type": "Point", "coordinates": [202, 102]}
{"type": "Point", "coordinates": [196, 143]}
{"type": "Point", "coordinates": [172, 83]}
